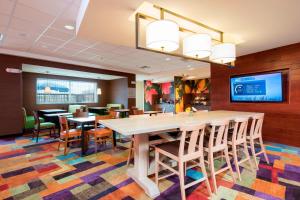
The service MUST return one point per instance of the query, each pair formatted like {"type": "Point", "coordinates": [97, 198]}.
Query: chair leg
{"type": "Point", "coordinates": [263, 149]}
{"type": "Point", "coordinates": [236, 161]}
{"type": "Point", "coordinates": [205, 175]}
{"type": "Point", "coordinates": [248, 156]}
{"type": "Point", "coordinates": [212, 170]}
{"type": "Point", "coordinates": [130, 153]}
{"type": "Point", "coordinates": [253, 153]}
{"type": "Point", "coordinates": [37, 136]}
{"type": "Point", "coordinates": [96, 144]}
{"type": "Point", "coordinates": [156, 166]}
{"type": "Point", "coordinates": [181, 179]}
{"type": "Point", "coordinates": [228, 164]}
{"type": "Point", "coordinates": [66, 146]}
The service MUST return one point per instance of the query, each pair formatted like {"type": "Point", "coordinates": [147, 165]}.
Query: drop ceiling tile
{"type": "Point", "coordinates": [84, 42]}
{"type": "Point", "coordinates": [53, 7]}
{"type": "Point", "coordinates": [85, 56]}
{"type": "Point", "coordinates": [51, 41]}
{"type": "Point", "coordinates": [11, 33]}
{"type": "Point", "coordinates": [32, 15]}
{"type": "Point", "coordinates": [26, 26]}
{"type": "Point", "coordinates": [45, 46]}
{"type": "Point", "coordinates": [4, 20]}
{"type": "Point", "coordinates": [16, 43]}
{"type": "Point", "coordinates": [105, 46]}
{"type": "Point", "coordinates": [65, 51]}
{"type": "Point", "coordinates": [74, 46]}
{"type": "Point", "coordinates": [54, 33]}
{"type": "Point", "coordinates": [6, 6]}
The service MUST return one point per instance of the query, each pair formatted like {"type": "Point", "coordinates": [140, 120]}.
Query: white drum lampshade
{"type": "Point", "coordinates": [99, 91]}
{"type": "Point", "coordinates": [197, 45]}
{"type": "Point", "coordinates": [223, 53]}
{"type": "Point", "coordinates": [162, 35]}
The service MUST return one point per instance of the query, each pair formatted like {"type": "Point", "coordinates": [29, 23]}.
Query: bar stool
{"type": "Point", "coordinates": [255, 137]}
{"type": "Point", "coordinates": [189, 148]}
{"type": "Point", "coordinates": [237, 139]}
{"type": "Point", "coordinates": [217, 143]}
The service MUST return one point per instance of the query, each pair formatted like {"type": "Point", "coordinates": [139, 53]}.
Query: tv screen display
{"type": "Point", "coordinates": [257, 88]}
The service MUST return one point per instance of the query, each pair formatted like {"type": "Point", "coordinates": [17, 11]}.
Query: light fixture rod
{"type": "Point", "coordinates": [162, 14]}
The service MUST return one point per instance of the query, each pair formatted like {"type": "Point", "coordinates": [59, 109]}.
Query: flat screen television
{"type": "Point", "coordinates": [265, 87]}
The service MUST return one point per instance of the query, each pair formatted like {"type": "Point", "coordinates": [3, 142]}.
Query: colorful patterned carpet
{"type": "Point", "coordinates": [40, 171]}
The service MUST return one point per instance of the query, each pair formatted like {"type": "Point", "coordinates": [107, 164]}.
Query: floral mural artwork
{"type": "Point", "coordinates": [158, 90]}
{"type": "Point", "coordinates": [198, 88]}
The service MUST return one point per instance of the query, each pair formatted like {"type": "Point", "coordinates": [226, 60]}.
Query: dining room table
{"type": "Point", "coordinates": [83, 122]}
{"type": "Point", "coordinates": [141, 129]}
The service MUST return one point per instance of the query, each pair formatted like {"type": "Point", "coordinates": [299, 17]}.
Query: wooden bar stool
{"type": "Point", "coordinates": [255, 137]}
{"type": "Point", "coordinates": [67, 135]}
{"type": "Point", "coordinates": [237, 139]}
{"type": "Point", "coordinates": [189, 148]}
{"type": "Point", "coordinates": [101, 134]}
{"type": "Point", "coordinates": [217, 143]}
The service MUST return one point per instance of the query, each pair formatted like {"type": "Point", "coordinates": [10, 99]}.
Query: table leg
{"type": "Point", "coordinates": [114, 138]}
{"type": "Point", "coordinates": [83, 142]}
{"type": "Point", "coordinates": [139, 172]}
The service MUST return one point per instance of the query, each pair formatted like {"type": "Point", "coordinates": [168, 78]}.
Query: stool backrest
{"type": "Point", "coordinates": [195, 135]}
{"type": "Point", "coordinates": [239, 130]}
{"type": "Point", "coordinates": [256, 126]}
{"type": "Point", "coordinates": [218, 135]}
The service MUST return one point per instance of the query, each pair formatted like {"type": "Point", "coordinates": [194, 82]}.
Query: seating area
{"type": "Point", "coordinates": [141, 100]}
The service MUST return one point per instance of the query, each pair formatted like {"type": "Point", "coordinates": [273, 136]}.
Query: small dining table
{"type": "Point", "coordinates": [141, 129]}
{"type": "Point", "coordinates": [83, 121]}
{"type": "Point", "coordinates": [152, 112]}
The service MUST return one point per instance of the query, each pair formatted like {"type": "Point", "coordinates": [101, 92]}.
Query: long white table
{"type": "Point", "coordinates": [142, 127]}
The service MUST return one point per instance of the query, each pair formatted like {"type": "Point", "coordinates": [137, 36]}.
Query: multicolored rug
{"type": "Point", "coordinates": [39, 171]}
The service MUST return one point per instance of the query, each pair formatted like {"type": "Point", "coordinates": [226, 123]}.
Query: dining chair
{"type": "Point", "coordinates": [215, 143]}
{"type": "Point", "coordinates": [255, 137]}
{"type": "Point", "coordinates": [186, 150]}
{"type": "Point", "coordinates": [41, 126]}
{"type": "Point", "coordinates": [101, 134]}
{"type": "Point", "coordinates": [67, 135]}
{"type": "Point", "coordinates": [138, 112]}
{"type": "Point", "coordinates": [114, 114]}
{"type": "Point", "coordinates": [237, 140]}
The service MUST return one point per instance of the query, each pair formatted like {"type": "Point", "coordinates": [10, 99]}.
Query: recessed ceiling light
{"type": "Point", "coordinates": [188, 66]}
{"type": "Point", "coordinates": [69, 27]}
{"type": "Point", "coordinates": [191, 68]}
{"type": "Point", "coordinates": [1, 36]}
{"type": "Point", "coordinates": [167, 59]}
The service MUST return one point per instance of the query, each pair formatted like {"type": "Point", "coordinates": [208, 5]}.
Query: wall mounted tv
{"type": "Point", "coordinates": [263, 87]}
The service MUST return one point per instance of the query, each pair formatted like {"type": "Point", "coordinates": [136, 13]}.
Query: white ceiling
{"type": "Point", "coordinates": [106, 36]}
{"type": "Point", "coordinates": [67, 72]}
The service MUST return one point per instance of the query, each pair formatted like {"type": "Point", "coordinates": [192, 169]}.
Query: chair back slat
{"type": "Point", "coordinates": [256, 126]}
{"type": "Point", "coordinates": [195, 135]}
{"type": "Point", "coordinates": [218, 134]}
{"type": "Point", "coordinates": [36, 119]}
{"type": "Point", "coordinates": [63, 123]}
{"type": "Point", "coordinates": [24, 115]}
{"type": "Point", "coordinates": [240, 130]}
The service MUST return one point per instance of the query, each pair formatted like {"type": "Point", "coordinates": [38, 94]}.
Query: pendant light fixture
{"type": "Point", "coordinates": [162, 35]}
{"type": "Point", "coordinates": [223, 53]}
{"type": "Point", "coordinates": [197, 45]}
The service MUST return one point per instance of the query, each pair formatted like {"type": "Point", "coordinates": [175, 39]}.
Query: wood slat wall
{"type": "Point", "coordinates": [282, 120]}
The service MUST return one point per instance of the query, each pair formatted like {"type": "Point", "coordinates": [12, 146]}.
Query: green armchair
{"type": "Point", "coordinates": [29, 120]}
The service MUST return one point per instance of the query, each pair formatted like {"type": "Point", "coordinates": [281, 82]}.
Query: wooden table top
{"type": "Point", "coordinates": [132, 126]}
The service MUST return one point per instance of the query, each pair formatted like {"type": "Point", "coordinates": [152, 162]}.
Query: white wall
{"type": "Point", "coordinates": [140, 94]}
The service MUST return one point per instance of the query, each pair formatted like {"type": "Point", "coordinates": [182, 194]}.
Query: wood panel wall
{"type": "Point", "coordinates": [11, 88]}
{"type": "Point", "coordinates": [282, 120]}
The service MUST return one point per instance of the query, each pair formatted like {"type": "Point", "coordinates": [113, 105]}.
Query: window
{"type": "Point", "coordinates": [52, 91]}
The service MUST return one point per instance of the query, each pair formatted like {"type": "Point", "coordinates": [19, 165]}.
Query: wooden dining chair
{"type": "Point", "coordinates": [114, 114]}
{"type": "Point", "coordinates": [237, 140]}
{"type": "Point", "coordinates": [255, 137]}
{"type": "Point", "coordinates": [101, 134]}
{"type": "Point", "coordinates": [217, 143]}
{"type": "Point", "coordinates": [187, 149]}
{"type": "Point", "coordinates": [67, 135]}
{"type": "Point", "coordinates": [138, 112]}
{"type": "Point", "coordinates": [41, 126]}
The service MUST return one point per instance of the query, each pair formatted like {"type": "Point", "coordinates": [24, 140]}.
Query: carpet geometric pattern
{"type": "Point", "coordinates": [39, 171]}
